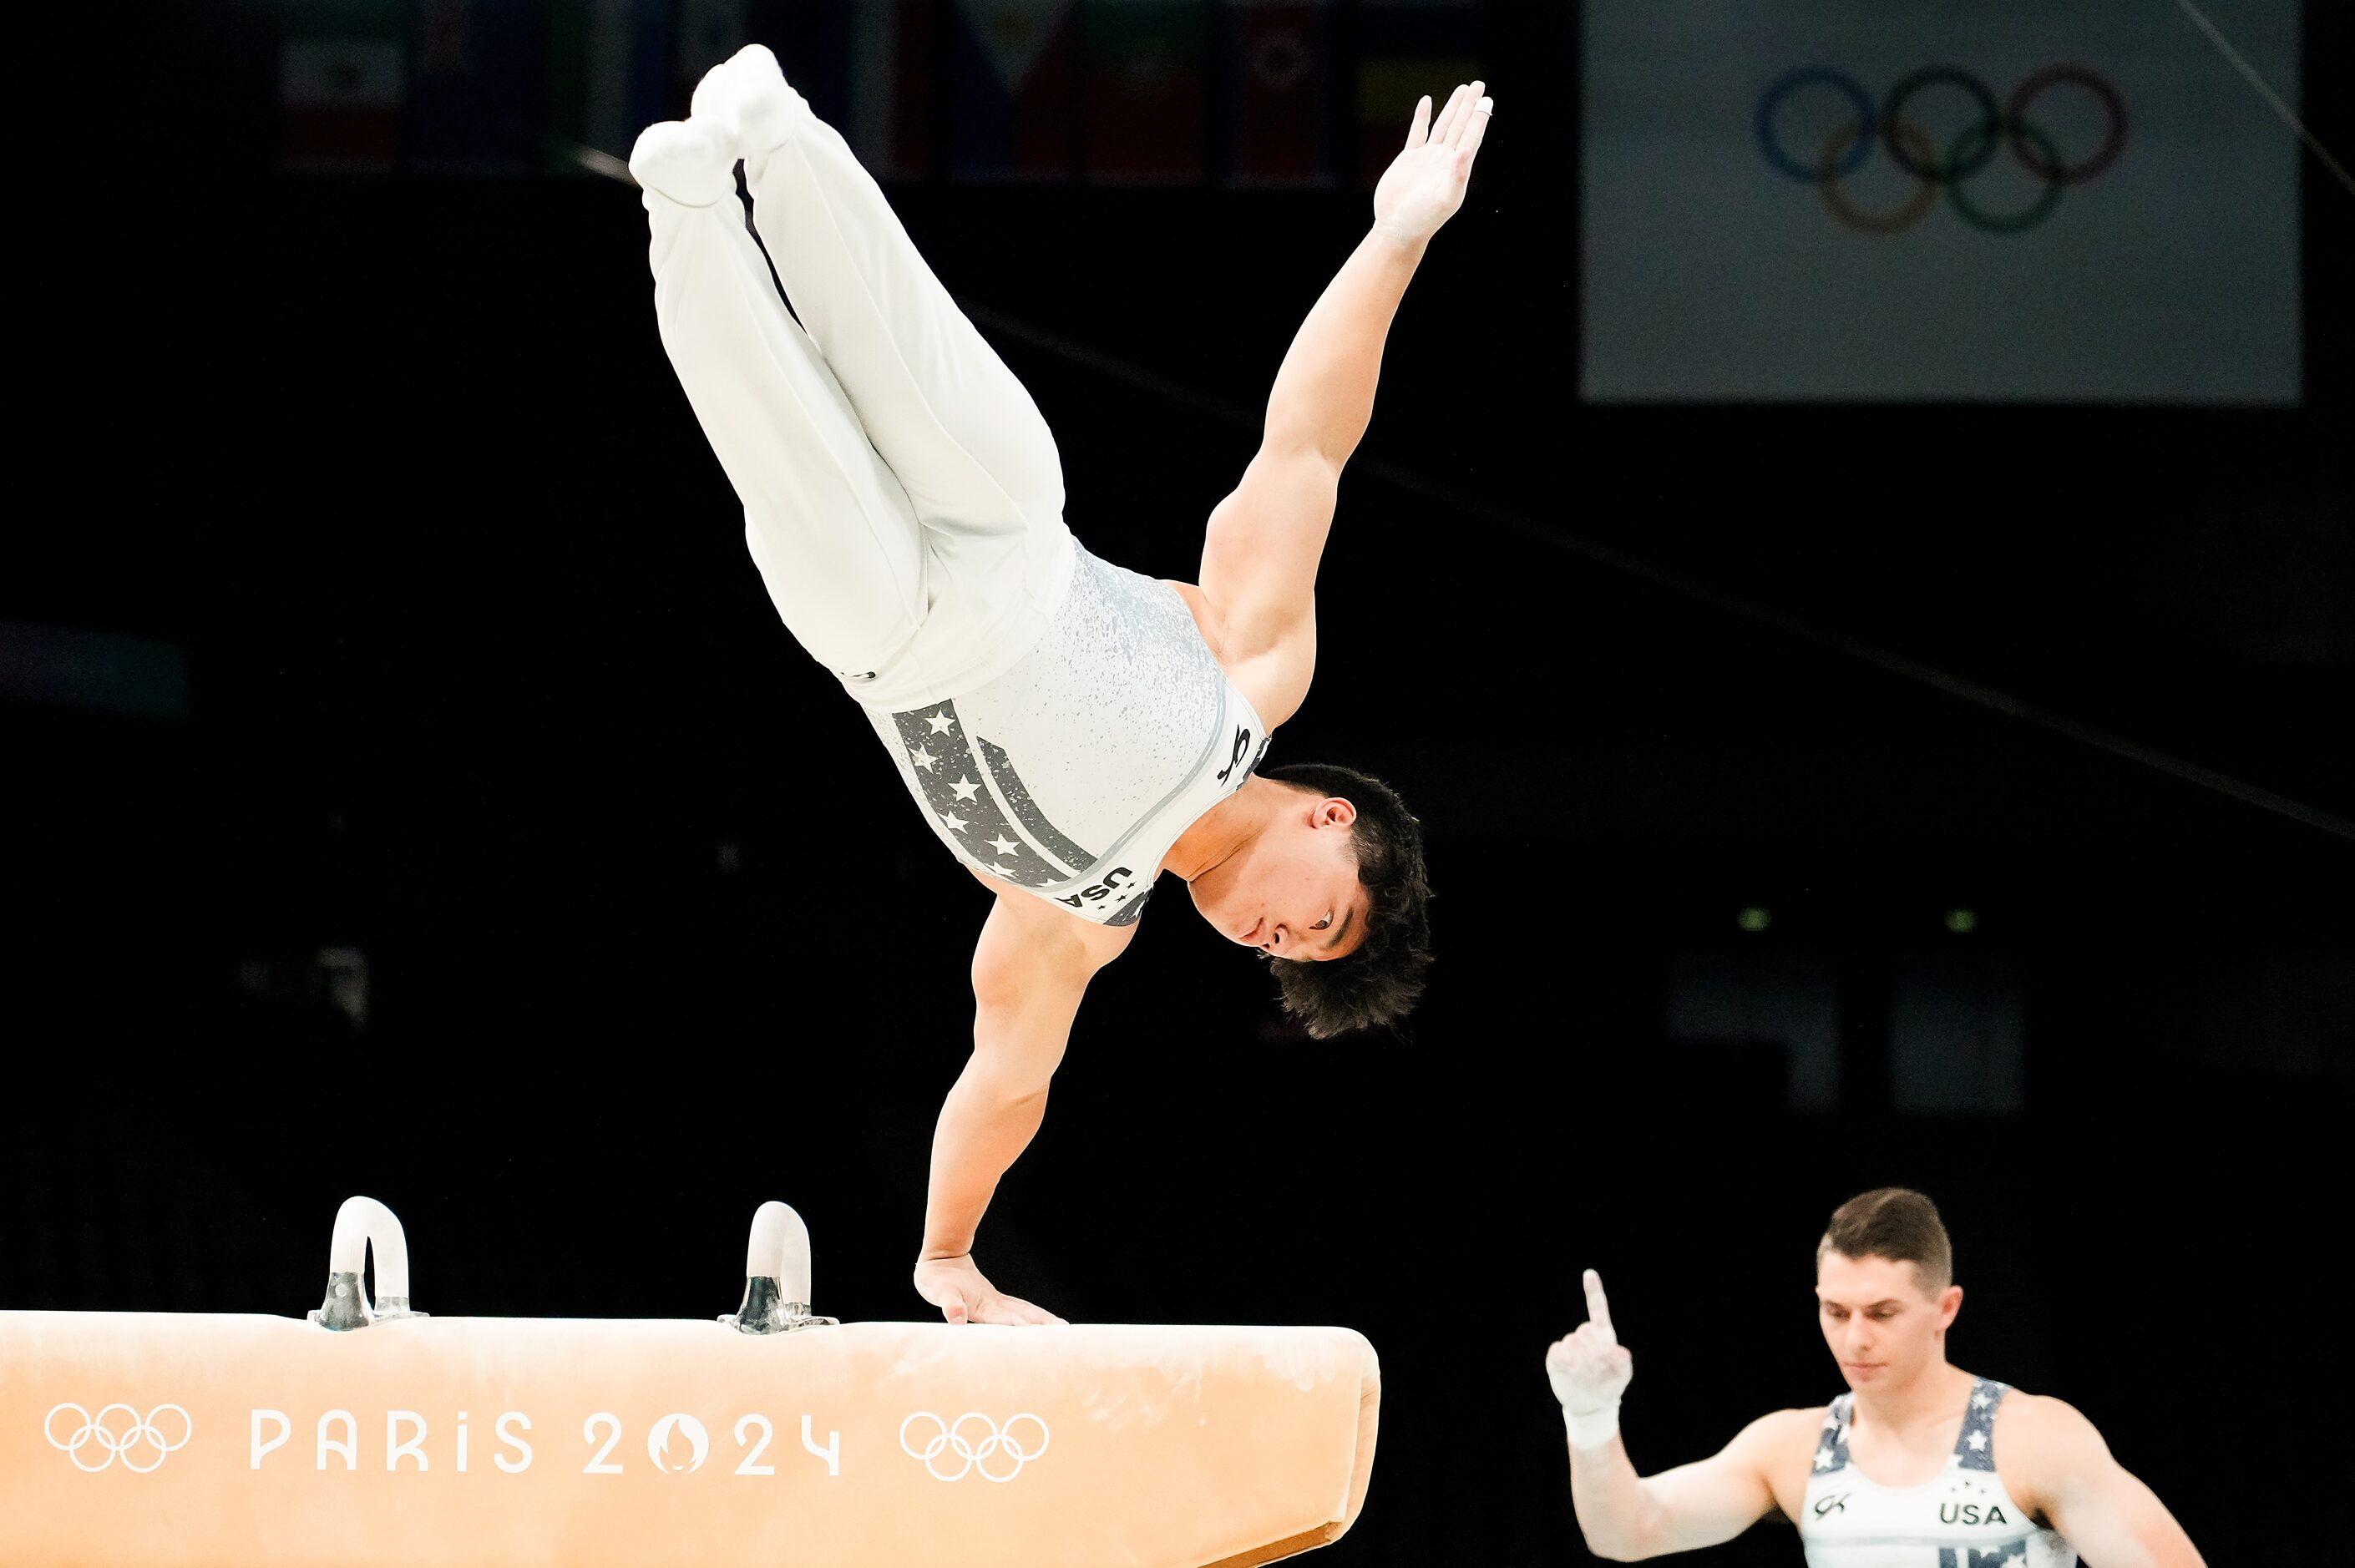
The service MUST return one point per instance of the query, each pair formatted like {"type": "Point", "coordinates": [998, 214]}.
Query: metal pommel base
{"type": "Point", "coordinates": [346, 1305]}
{"type": "Point", "coordinates": [365, 1227]}
{"type": "Point", "coordinates": [766, 1311]}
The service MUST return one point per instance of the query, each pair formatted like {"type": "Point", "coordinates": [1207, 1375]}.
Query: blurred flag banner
{"type": "Point", "coordinates": [1927, 200]}
{"type": "Point", "coordinates": [894, 54]}
{"type": "Point", "coordinates": [608, 74]}
{"type": "Point", "coordinates": [1147, 91]}
{"type": "Point", "coordinates": [1405, 49]}
{"type": "Point", "coordinates": [1278, 59]}
{"type": "Point", "coordinates": [343, 77]}
{"type": "Point", "coordinates": [1013, 86]}
{"type": "Point", "coordinates": [471, 91]}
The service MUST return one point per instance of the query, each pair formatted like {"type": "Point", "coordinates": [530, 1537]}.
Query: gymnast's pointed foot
{"type": "Point", "coordinates": [748, 101]}
{"type": "Point", "coordinates": [689, 163]}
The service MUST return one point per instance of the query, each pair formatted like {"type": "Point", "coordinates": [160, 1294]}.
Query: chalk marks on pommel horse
{"type": "Point", "coordinates": [369, 1433]}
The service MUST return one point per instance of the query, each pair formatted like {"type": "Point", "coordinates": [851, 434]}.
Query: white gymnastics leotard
{"type": "Point", "coordinates": [1961, 1518]}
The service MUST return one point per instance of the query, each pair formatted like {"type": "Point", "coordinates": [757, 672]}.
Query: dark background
{"type": "Point", "coordinates": [453, 822]}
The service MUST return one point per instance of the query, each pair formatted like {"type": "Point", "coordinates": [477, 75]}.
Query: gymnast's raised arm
{"type": "Point", "coordinates": [1260, 550]}
{"type": "Point", "coordinates": [1029, 970]}
{"type": "Point", "coordinates": [1625, 1517]}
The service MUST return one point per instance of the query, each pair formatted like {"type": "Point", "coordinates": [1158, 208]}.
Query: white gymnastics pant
{"type": "Point", "coordinates": [903, 495]}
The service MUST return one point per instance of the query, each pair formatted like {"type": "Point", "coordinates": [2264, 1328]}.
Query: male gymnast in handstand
{"type": "Point", "coordinates": [1070, 729]}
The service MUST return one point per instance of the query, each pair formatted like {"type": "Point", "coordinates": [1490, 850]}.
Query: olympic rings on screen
{"type": "Point", "coordinates": [2093, 81]}
{"type": "Point", "coordinates": [95, 1429]}
{"type": "Point", "coordinates": [1897, 219]}
{"type": "Point", "coordinates": [1789, 82]}
{"type": "Point", "coordinates": [972, 1454]}
{"type": "Point", "coordinates": [2029, 216]}
{"type": "Point", "coordinates": [1994, 127]}
{"type": "Point", "coordinates": [1954, 169]}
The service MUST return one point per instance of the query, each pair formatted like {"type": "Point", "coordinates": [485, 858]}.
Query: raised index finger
{"type": "Point", "coordinates": [1598, 1309]}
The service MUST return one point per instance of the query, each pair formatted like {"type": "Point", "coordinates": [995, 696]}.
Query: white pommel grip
{"type": "Point", "coordinates": [363, 1223]}
{"type": "Point", "coordinates": [780, 1249]}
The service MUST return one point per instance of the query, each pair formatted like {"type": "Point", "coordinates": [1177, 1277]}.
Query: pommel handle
{"type": "Point", "coordinates": [364, 1225]}
{"type": "Point", "coordinates": [776, 1275]}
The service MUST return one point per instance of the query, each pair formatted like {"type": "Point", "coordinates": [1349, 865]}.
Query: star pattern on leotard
{"type": "Point", "coordinates": [1976, 1450]}
{"type": "Point", "coordinates": [1835, 1433]}
{"type": "Point", "coordinates": [974, 798]}
{"type": "Point", "coordinates": [1970, 1502]}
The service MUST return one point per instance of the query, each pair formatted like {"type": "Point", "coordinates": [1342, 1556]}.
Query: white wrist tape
{"type": "Point", "coordinates": [1591, 1428]}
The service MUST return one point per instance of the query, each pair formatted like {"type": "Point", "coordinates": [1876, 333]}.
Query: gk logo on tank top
{"type": "Point", "coordinates": [1243, 741]}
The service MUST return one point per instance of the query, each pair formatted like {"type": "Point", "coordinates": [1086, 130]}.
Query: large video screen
{"type": "Point", "coordinates": [1939, 200]}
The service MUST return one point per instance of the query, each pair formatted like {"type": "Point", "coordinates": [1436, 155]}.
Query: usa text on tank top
{"type": "Point", "coordinates": [1072, 773]}
{"type": "Point", "coordinates": [1961, 1518]}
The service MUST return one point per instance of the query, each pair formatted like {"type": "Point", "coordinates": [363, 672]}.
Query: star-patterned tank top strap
{"type": "Point", "coordinates": [1975, 1448]}
{"type": "Point", "coordinates": [1831, 1447]}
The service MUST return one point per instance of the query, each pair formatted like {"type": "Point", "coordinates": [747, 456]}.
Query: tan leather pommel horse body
{"type": "Point", "coordinates": [369, 1434]}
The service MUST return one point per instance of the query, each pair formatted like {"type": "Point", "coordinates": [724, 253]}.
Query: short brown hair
{"type": "Point", "coordinates": [1897, 1224]}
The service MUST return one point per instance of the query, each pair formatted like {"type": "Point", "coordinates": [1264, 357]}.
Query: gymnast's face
{"type": "Point", "coordinates": [1292, 891]}
{"type": "Point", "coordinates": [1883, 1329]}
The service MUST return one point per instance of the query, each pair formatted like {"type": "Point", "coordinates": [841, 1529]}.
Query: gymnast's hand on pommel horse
{"type": "Point", "coordinates": [1069, 729]}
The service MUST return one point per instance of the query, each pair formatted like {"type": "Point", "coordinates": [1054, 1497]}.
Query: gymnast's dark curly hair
{"type": "Point", "coordinates": [1378, 983]}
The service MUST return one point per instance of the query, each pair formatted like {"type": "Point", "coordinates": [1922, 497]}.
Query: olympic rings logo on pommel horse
{"type": "Point", "coordinates": [94, 1429]}
{"type": "Point", "coordinates": [1846, 149]}
{"type": "Point", "coordinates": [949, 1436]}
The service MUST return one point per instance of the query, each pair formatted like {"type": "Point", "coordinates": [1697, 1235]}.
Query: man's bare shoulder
{"type": "Point", "coordinates": [2040, 1413]}
{"type": "Point", "coordinates": [1780, 1446]}
{"type": "Point", "coordinates": [2039, 1429]}
{"type": "Point", "coordinates": [1781, 1437]}
{"type": "Point", "coordinates": [1794, 1428]}
{"type": "Point", "coordinates": [2043, 1446]}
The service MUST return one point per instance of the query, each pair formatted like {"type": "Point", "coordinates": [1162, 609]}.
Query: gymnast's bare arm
{"type": "Point", "coordinates": [1029, 970]}
{"type": "Point", "coordinates": [1261, 551]}
{"type": "Point", "coordinates": [1627, 1517]}
{"type": "Point", "coordinates": [2055, 1463]}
